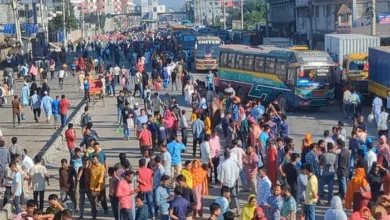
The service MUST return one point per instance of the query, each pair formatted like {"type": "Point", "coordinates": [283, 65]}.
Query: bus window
{"type": "Point", "coordinates": [231, 60]}
{"type": "Point", "coordinates": [223, 59]}
{"type": "Point", "coordinates": [259, 64]}
{"type": "Point", "coordinates": [248, 63]}
{"type": "Point", "coordinates": [270, 65]}
{"type": "Point", "coordinates": [281, 70]}
{"type": "Point", "coordinates": [240, 61]}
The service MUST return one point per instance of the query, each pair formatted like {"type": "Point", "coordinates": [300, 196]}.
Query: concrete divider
{"type": "Point", "coordinates": [6, 212]}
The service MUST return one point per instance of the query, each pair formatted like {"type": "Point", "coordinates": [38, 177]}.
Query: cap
{"type": "Point", "coordinates": [45, 92]}
{"type": "Point", "coordinates": [136, 103]}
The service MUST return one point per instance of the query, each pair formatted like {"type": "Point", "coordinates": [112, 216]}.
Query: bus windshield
{"type": "Point", "coordinates": [210, 51]}
{"type": "Point", "coordinates": [314, 77]}
{"type": "Point", "coordinates": [356, 65]}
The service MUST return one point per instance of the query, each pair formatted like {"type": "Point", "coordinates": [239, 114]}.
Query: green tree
{"type": "Point", "coordinates": [254, 13]}
{"type": "Point", "coordinates": [70, 20]}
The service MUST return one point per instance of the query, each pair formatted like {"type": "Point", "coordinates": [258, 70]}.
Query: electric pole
{"type": "Point", "coordinates": [42, 17]}
{"type": "Point", "coordinates": [98, 17]}
{"type": "Point", "coordinates": [63, 21]}
{"type": "Point", "coordinates": [212, 8]}
{"type": "Point", "coordinates": [373, 18]}
{"type": "Point", "coordinates": [266, 18]}
{"type": "Point", "coordinates": [242, 14]}
{"type": "Point", "coordinates": [311, 16]}
{"type": "Point", "coordinates": [14, 4]}
{"type": "Point", "coordinates": [224, 14]}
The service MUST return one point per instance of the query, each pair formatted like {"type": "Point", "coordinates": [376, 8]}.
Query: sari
{"type": "Point", "coordinates": [383, 151]}
{"type": "Point", "coordinates": [199, 183]}
{"type": "Point", "coordinates": [259, 214]}
{"type": "Point", "coordinates": [363, 214]}
{"type": "Point", "coordinates": [248, 211]}
{"type": "Point", "coordinates": [271, 164]}
{"type": "Point", "coordinates": [353, 190]}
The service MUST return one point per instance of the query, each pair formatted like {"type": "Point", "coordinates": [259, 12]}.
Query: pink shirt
{"type": "Point", "coordinates": [251, 163]}
{"type": "Point", "coordinates": [215, 147]}
{"type": "Point", "coordinates": [145, 179]}
{"type": "Point", "coordinates": [123, 192]}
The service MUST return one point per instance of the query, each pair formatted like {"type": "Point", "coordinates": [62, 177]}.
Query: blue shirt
{"type": "Point", "coordinates": [261, 109]}
{"type": "Point", "coordinates": [276, 203]}
{"type": "Point", "coordinates": [17, 180]}
{"type": "Point", "coordinates": [235, 112]}
{"type": "Point", "coordinates": [198, 128]}
{"type": "Point", "coordinates": [158, 173]}
{"type": "Point", "coordinates": [161, 196]}
{"type": "Point", "coordinates": [224, 203]}
{"type": "Point", "coordinates": [179, 207]}
{"type": "Point", "coordinates": [56, 107]}
{"type": "Point", "coordinates": [255, 113]}
{"type": "Point", "coordinates": [263, 138]}
{"type": "Point", "coordinates": [175, 149]}
{"type": "Point", "coordinates": [36, 102]}
{"type": "Point", "coordinates": [76, 163]}
{"type": "Point", "coordinates": [283, 130]}
{"type": "Point", "coordinates": [140, 120]}
{"type": "Point", "coordinates": [101, 155]}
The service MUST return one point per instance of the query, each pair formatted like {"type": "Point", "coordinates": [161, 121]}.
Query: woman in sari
{"type": "Point", "coordinates": [383, 152]}
{"type": "Point", "coordinates": [248, 211]}
{"type": "Point", "coordinates": [306, 142]}
{"type": "Point", "coordinates": [33, 88]}
{"type": "Point", "coordinates": [358, 191]}
{"type": "Point", "coordinates": [362, 214]}
{"type": "Point", "coordinates": [259, 214]}
{"type": "Point", "coordinates": [336, 211]}
{"type": "Point", "coordinates": [188, 90]}
{"type": "Point", "coordinates": [200, 186]}
{"type": "Point", "coordinates": [157, 84]}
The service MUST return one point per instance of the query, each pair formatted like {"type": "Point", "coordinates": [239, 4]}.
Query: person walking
{"type": "Point", "coordinates": [145, 181]}
{"type": "Point", "coordinates": [125, 193]}
{"type": "Point", "coordinates": [16, 186]}
{"type": "Point", "coordinates": [16, 110]}
{"type": "Point", "coordinates": [97, 185]}
{"type": "Point", "coordinates": [63, 107]}
{"type": "Point", "coordinates": [36, 106]}
{"type": "Point", "coordinates": [38, 175]}
{"type": "Point", "coordinates": [328, 159]}
{"type": "Point", "coordinates": [67, 176]}
{"type": "Point", "coordinates": [311, 193]}
{"type": "Point", "coordinates": [175, 149]}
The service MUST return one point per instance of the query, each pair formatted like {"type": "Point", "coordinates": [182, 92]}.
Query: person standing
{"type": "Point", "coordinates": [125, 194]}
{"type": "Point", "coordinates": [205, 153]}
{"type": "Point", "coordinates": [63, 109]}
{"type": "Point", "coordinates": [138, 84]}
{"type": "Point", "coordinates": [200, 186]}
{"type": "Point", "coordinates": [292, 172]}
{"type": "Point", "coordinates": [376, 107]}
{"type": "Point", "coordinates": [162, 197]}
{"type": "Point", "coordinates": [120, 104]}
{"type": "Point", "coordinates": [166, 158]}
{"type": "Point", "coordinates": [197, 131]}
{"type": "Point", "coordinates": [145, 181]}
{"type": "Point", "coordinates": [36, 106]}
{"type": "Point", "coordinates": [16, 149]}
{"type": "Point", "coordinates": [38, 175]}
{"type": "Point", "coordinates": [70, 137]}
{"type": "Point", "coordinates": [250, 163]}
{"type": "Point", "coordinates": [16, 110]}
{"type": "Point", "coordinates": [223, 201]}
{"type": "Point", "coordinates": [97, 185]}
{"type": "Point", "coordinates": [290, 205]}
{"type": "Point", "coordinates": [343, 168]}
{"type": "Point", "coordinates": [16, 186]}
{"type": "Point", "coordinates": [240, 155]}
{"type": "Point", "coordinates": [382, 125]}
{"type": "Point", "coordinates": [83, 178]}
{"type": "Point", "coordinates": [311, 193]}
{"type": "Point", "coordinates": [175, 149]}
{"type": "Point", "coordinates": [215, 151]}
{"type": "Point", "coordinates": [179, 206]}
{"type": "Point", "coordinates": [145, 139]}
{"type": "Point", "coordinates": [311, 158]}
{"type": "Point", "coordinates": [184, 127]}
{"type": "Point", "coordinates": [56, 112]}
{"type": "Point", "coordinates": [263, 187]}
{"type": "Point", "coordinates": [346, 102]}
{"type": "Point", "coordinates": [67, 176]}
{"type": "Point", "coordinates": [113, 186]}
{"type": "Point", "coordinates": [126, 115]}
{"type": "Point", "coordinates": [328, 160]}
{"type": "Point", "coordinates": [5, 159]}
{"type": "Point", "coordinates": [275, 203]}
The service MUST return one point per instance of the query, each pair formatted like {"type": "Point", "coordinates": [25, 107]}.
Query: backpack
{"type": "Point", "coordinates": [84, 119]}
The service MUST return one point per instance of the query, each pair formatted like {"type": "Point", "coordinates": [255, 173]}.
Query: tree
{"type": "Point", "coordinates": [254, 13]}
{"type": "Point", "coordinates": [70, 19]}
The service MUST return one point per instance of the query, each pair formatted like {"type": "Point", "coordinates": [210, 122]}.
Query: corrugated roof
{"type": "Point", "coordinates": [344, 10]}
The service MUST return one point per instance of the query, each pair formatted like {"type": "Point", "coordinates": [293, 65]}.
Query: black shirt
{"type": "Point", "coordinates": [292, 173]}
{"type": "Point", "coordinates": [125, 114]}
{"type": "Point", "coordinates": [188, 194]}
{"type": "Point", "coordinates": [343, 162]}
{"type": "Point", "coordinates": [362, 163]}
{"type": "Point", "coordinates": [121, 101]}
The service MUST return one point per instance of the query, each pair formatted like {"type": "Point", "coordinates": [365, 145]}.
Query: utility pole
{"type": "Point", "coordinates": [42, 16]}
{"type": "Point", "coordinates": [266, 18]}
{"type": "Point", "coordinates": [311, 16]}
{"type": "Point", "coordinates": [201, 10]}
{"type": "Point", "coordinates": [373, 18]}
{"type": "Point", "coordinates": [14, 4]}
{"type": "Point", "coordinates": [224, 14]}
{"type": "Point", "coordinates": [63, 21]}
{"type": "Point", "coordinates": [242, 14]}
{"type": "Point", "coordinates": [213, 14]}
{"type": "Point", "coordinates": [98, 17]}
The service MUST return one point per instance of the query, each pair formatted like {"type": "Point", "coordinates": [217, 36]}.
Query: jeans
{"type": "Point", "coordinates": [210, 86]}
{"type": "Point", "coordinates": [119, 113]}
{"type": "Point", "coordinates": [16, 203]}
{"type": "Point", "coordinates": [63, 120]}
{"type": "Point", "coordinates": [37, 113]}
{"type": "Point", "coordinates": [184, 136]}
{"type": "Point", "coordinates": [64, 197]}
{"type": "Point", "coordinates": [149, 200]}
{"type": "Point", "coordinates": [215, 161]}
{"type": "Point", "coordinates": [327, 179]}
{"type": "Point", "coordinates": [310, 212]}
{"type": "Point", "coordinates": [342, 185]}
{"type": "Point", "coordinates": [243, 179]}
{"type": "Point", "coordinates": [174, 83]}
{"type": "Point", "coordinates": [115, 206]}
{"type": "Point", "coordinates": [41, 195]}
{"type": "Point", "coordinates": [347, 109]}
{"type": "Point", "coordinates": [82, 193]}
{"type": "Point", "coordinates": [126, 214]}
{"type": "Point", "coordinates": [196, 140]}
{"type": "Point", "coordinates": [126, 130]}
{"type": "Point", "coordinates": [102, 197]}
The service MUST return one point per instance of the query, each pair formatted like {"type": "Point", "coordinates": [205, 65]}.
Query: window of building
{"type": "Point", "coordinates": [240, 61]}
{"type": "Point", "coordinates": [281, 69]}
{"type": "Point", "coordinates": [323, 10]}
{"type": "Point", "coordinates": [248, 63]}
{"type": "Point", "coordinates": [216, 3]}
{"type": "Point", "coordinates": [317, 11]}
{"type": "Point", "coordinates": [231, 60]}
{"type": "Point", "coordinates": [270, 65]}
{"type": "Point", "coordinates": [328, 13]}
{"type": "Point", "coordinates": [223, 59]}
{"type": "Point", "coordinates": [259, 64]}
{"type": "Point", "coordinates": [344, 18]}
{"type": "Point", "coordinates": [209, 11]}
{"type": "Point", "coordinates": [211, 3]}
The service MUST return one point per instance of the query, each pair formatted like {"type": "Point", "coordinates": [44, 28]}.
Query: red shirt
{"type": "Point", "coordinates": [70, 136]}
{"type": "Point", "coordinates": [145, 138]}
{"type": "Point", "coordinates": [145, 179]}
{"type": "Point", "coordinates": [64, 104]}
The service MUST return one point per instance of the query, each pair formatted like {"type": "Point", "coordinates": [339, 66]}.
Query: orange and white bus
{"type": "Point", "coordinates": [207, 52]}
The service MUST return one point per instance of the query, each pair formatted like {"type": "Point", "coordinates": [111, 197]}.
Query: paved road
{"type": "Point", "coordinates": [112, 143]}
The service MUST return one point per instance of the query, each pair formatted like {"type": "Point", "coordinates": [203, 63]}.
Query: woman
{"type": "Point", "coordinates": [271, 162]}
{"type": "Point", "coordinates": [34, 72]}
{"type": "Point", "coordinates": [358, 191]}
{"type": "Point", "coordinates": [203, 104]}
{"type": "Point", "coordinates": [25, 95]}
{"type": "Point", "coordinates": [200, 186]}
{"type": "Point", "coordinates": [362, 214]}
{"type": "Point", "coordinates": [216, 107]}
{"type": "Point", "coordinates": [259, 214]}
{"type": "Point", "coordinates": [33, 88]}
{"type": "Point", "coordinates": [248, 211]}
{"type": "Point", "coordinates": [169, 121]}
{"type": "Point", "coordinates": [336, 211]}
{"type": "Point", "coordinates": [306, 142]}
{"type": "Point", "coordinates": [254, 133]}
{"type": "Point", "coordinates": [157, 84]}
{"type": "Point", "coordinates": [374, 178]}
{"type": "Point", "coordinates": [45, 88]}
{"type": "Point", "coordinates": [188, 90]}
{"type": "Point", "coordinates": [383, 152]}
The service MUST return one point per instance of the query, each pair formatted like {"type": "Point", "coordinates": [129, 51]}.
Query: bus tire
{"type": "Point", "coordinates": [240, 94]}
{"type": "Point", "coordinates": [282, 103]}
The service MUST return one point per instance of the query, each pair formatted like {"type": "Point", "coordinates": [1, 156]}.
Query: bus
{"type": "Point", "coordinates": [206, 52]}
{"type": "Point", "coordinates": [293, 78]}
{"type": "Point", "coordinates": [179, 27]}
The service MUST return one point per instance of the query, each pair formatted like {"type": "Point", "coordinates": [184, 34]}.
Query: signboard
{"type": "Point", "coordinates": [236, 25]}
{"type": "Point", "coordinates": [343, 29]}
{"type": "Point", "coordinates": [209, 42]}
{"type": "Point", "coordinates": [317, 56]}
{"type": "Point", "coordinates": [384, 18]}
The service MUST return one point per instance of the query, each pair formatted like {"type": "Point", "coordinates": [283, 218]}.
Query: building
{"type": "Point", "coordinates": [208, 11]}
{"type": "Point", "coordinates": [282, 16]}
{"type": "Point", "coordinates": [231, 3]}
{"type": "Point", "coordinates": [328, 15]}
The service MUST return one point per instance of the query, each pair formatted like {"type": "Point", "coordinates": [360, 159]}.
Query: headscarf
{"type": "Point", "coordinates": [199, 176]}
{"type": "Point", "coordinates": [168, 120]}
{"type": "Point", "coordinates": [203, 103]}
{"type": "Point", "coordinates": [187, 174]}
{"type": "Point", "coordinates": [2, 138]}
{"type": "Point", "coordinates": [359, 215]}
{"type": "Point", "coordinates": [354, 185]}
{"type": "Point", "coordinates": [336, 211]}
{"type": "Point", "coordinates": [383, 150]}
{"type": "Point", "coordinates": [259, 212]}
{"type": "Point", "coordinates": [307, 140]}
{"type": "Point", "coordinates": [248, 211]}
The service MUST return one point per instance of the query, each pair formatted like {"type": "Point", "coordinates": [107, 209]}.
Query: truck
{"type": "Point", "coordinates": [379, 71]}
{"type": "Point", "coordinates": [350, 51]}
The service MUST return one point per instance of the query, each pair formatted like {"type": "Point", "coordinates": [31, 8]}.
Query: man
{"type": "Point", "coordinates": [145, 184]}
{"type": "Point", "coordinates": [16, 149]}
{"type": "Point", "coordinates": [197, 131]}
{"type": "Point", "coordinates": [162, 197]}
{"type": "Point", "coordinates": [223, 201]}
{"type": "Point", "coordinates": [328, 138]}
{"type": "Point", "coordinates": [120, 104]}
{"type": "Point", "coordinates": [354, 101]}
{"type": "Point", "coordinates": [188, 193]}
{"type": "Point", "coordinates": [138, 84]}
{"type": "Point", "coordinates": [311, 192]}
{"type": "Point", "coordinates": [29, 213]}
{"type": "Point", "coordinates": [382, 126]}
{"type": "Point", "coordinates": [145, 139]}
{"type": "Point", "coordinates": [274, 204]}
{"type": "Point", "coordinates": [166, 159]}
{"type": "Point", "coordinates": [215, 211]}
{"type": "Point", "coordinates": [67, 182]}
{"type": "Point", "coordinates": [371, 156]}
{"type": "Point", "coordinates": [156, 103]}
{"type": "Point", "coordinates": [54, 211]}
{"type": "Point", "coordinates": [250, 163]}
{"type": "Point", "coordinates": [16, 110]}
{"type": "Point", "coordinates": [61, 76]}
{"type": "Point", "coordinates": [210, 80]}
{"type": "Point", "coordinates": [126, 115]}
{"type": "Point", "coordinates": [38, 175]}
{"type": "Point", "coordinates": [139, 120]}
{"type": "Point", "coordinates": [175, 149]}
{"type": "Point", "coordinates": [184, 127]}
{"type": "Point", "coordinates": [179, 206]}
{"type": "Point", "coordinates": [5, 159]}
{"type": "Point", "coordinates": [346, 102]}
{"type": "Point", "coordinates": [328, 159]}
{"type": "Point", "coordinates": [228, 176]}
{"type": "Point", "coordinates": [56, 112]}
{"type": "Point", "coordinates": [159, 172]}
{"type": "Point", "coordinates": [290, 205]}
{"type": "Point", "coordinates": [113, 186]}
{"type": "Point", "coordinates": [361, 161]}
{"type": "Point", "coordinates": [292, 172]}
{"type": "Point", "coordinates": [311, 158]}
{"type": "Point", "coordinates": [343, 167]}
{"type": "Point", "coordinates": [36, 106]}
{"type": "Point", "coordinates": [97, 185]}
{"type": "Point", "coordinates": [63, 107]}
{"type": "Point", "coordinates": [240, 155]}
{"type": "Point", "coordinates": [83, 179]}
{"type": "Point", "coordinates": [85, 119]}
{"type": "Point", "coordinates": [125, 192]}
{"type": "Point", "coordinates": [70, 137]}
{"type": "Point", "coordinates": [101, 155]}
{"type": "Point", "coordinates": [205, 153]}
{"type": "Point", "coordinates": [142, 208]}
{"type": "Point", "coordinates": [376, 107]}
{"type": "Point", "coordinates": [263, 187]}
{"type": "Point", "coordinates": [16, 186]}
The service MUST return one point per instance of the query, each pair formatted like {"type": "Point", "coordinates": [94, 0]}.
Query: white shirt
{"type": "Point", "coordinates": [38, 173]}
{"type": "Point", "coordinates": [117, 70]}
{"type": "Point", "coordinates": [205, 150]}
{"type": "Point", "coordinates": [28, 162]}
{"type": "Point", "coordinates": [138, 78]}
{"type": "Point", "coordinates": [240, 153]}
{"type": "Point", "coordinates": [229, 173]}
{"type": "Point", "coordinates": [61, 74]}
{"type": "Point", "coordinates": [371, 158]}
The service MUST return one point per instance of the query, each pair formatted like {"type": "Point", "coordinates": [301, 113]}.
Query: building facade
{"type": "Point", "coordinates": [208, 11]}
{"type": "Point", "coordinates": [282, 16]}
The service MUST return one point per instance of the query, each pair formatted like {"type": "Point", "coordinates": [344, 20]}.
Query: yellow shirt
{"type": "Point", "coordinates": [193, 117]}
{"type": "Point", "coordinates": [312, 187]}
{"type": "Point", "coordinates": [187, 174]}
{"type": "Point", "coordinates": [97, 177]}
{"type": "Point", "coordinates": [207, 125]}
